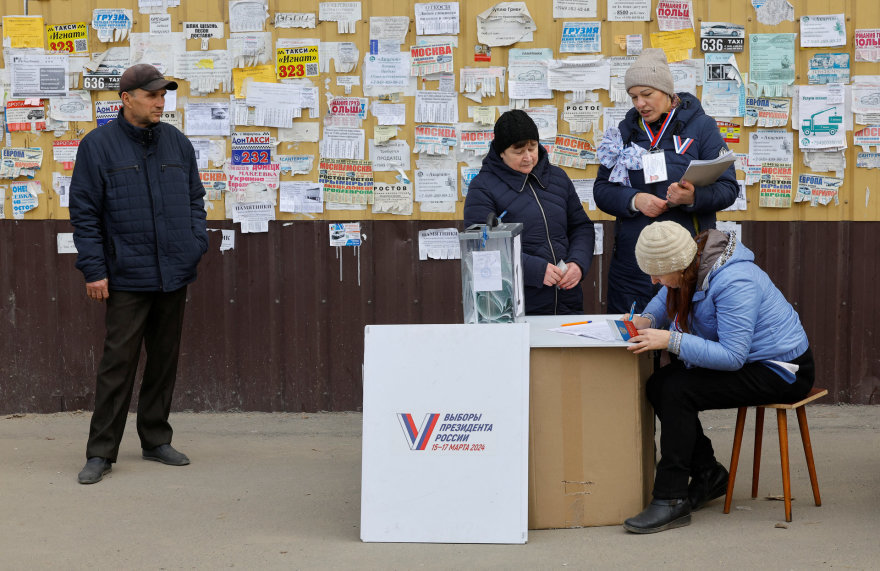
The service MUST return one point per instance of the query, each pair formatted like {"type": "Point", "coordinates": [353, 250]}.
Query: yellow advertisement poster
{"type": "Point", "coordinates": [241, 76]}
{"type": "Point", "coordinates": [70, 38]}
{"type": "Point", "coordinates": [296, 62]}
{"type": "Point", "coordinates": [23, 31]}
{"type": "Point", "coordinates": [676, 44]}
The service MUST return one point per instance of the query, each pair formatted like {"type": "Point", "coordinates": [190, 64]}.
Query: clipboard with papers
{"type": "Point", "coordinates": [706, 172]}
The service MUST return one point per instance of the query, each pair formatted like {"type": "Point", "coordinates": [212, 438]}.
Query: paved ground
{"type": "Point", "coordinates": [282, 491]}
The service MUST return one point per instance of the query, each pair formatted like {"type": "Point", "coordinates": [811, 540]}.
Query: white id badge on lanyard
{"type": "Point", "coordinates": [654, 166]}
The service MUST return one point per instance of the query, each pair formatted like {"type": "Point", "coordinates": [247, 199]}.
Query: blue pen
{"type": "Point", "coordinates": [502, 215]}
{"type": "Point", "coordinates": [632, 311]}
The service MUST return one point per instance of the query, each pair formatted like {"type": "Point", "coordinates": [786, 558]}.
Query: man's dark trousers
{"type": "Point", "coordinates": [156, 320]}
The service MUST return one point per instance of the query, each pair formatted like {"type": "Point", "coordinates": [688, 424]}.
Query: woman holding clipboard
{"type": "Point", "coordinates": [642, 164]}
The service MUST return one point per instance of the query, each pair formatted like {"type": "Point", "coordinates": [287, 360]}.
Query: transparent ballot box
{"type": "Point", "coordinates": [491, 273]}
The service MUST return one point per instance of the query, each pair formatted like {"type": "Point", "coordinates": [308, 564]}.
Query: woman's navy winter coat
{"type": "Point", "coordinates": [626, 282]}
{"type": "Point", "coordinates": [555, 226]}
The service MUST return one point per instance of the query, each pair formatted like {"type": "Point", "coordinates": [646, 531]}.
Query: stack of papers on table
{"type": "Point", "coordinates": [600, 330]}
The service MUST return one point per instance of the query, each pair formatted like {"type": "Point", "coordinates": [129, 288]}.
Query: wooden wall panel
{"type": "Point", "coordinates": [277, 323]}
{"type": "Point", "coordinates": [853, 204]}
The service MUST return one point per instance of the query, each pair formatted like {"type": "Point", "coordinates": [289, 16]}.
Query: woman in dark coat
{"type": "Point", "coordinates": [518, 181]}
{"type": "Point", "coordinates": [675, 127]}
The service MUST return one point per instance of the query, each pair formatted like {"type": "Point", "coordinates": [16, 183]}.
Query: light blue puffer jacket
{"type": "Point", "coordinates": [738, 315]}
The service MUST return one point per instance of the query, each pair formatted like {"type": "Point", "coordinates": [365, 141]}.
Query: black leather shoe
{"type": "Point", "coordinates": [660, 515]}
{"type": "Point", "coordinates": [167, 455]}
{"type": "Point", "coordinates": [707, 485]}
{"type": "Point", "coordinates": [94, 470]}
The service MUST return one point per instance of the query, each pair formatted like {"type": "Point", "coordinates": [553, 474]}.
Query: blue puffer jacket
{"type": "Point", "coordinates": [137, 207]}
{"type": "Point", "coordinates": [555, 225]}
{"type": "Point", "coordinates": [626, 281]}
{"type": "Point", "coordinates": [738, 316]}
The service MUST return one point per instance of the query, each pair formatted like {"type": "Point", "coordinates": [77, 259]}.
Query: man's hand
{"type": "Point", "coordinates": [650, 205]}
{"type": "Point", "coordinates": [680, 194]}
{"type": "Point", "coordinates": [571, 277]}
{"type": "Point", "coordinates": [552, 275]}
{"type": "Point", "coordinates": [98, 290]}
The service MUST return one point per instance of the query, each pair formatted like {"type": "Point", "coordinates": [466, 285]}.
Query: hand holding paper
{"type": "Point", "coordinates": [680, 194]}
{"type": "Point", "coordinates": [649, 340]}
{"type": "Point", "coordinates": [706, 172]}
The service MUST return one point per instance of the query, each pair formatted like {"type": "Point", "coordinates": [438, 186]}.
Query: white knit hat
{"type": "Point", "coordinates": [665, 247]}
{"type": "Point", "coordinates": [651, 70]}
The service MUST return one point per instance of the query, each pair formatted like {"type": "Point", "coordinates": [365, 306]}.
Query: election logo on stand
{"type": "Point", "coordinates": [417, 438]}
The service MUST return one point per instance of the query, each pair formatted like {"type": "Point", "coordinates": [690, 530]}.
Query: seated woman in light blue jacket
{"type": "Point", "coordinates": [738, 342]}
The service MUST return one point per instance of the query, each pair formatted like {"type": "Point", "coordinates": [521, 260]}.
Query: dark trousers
{"type": "Point", "coordinates": [678, 394]}
{"type": "Point", "coordinates": [154, 319]}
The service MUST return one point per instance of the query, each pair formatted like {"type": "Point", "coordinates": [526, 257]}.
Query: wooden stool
{"type": "Point", "coordinates": [782, 422]}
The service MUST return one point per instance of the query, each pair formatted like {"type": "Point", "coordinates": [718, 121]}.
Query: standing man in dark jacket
{"type": "Point", "coordinates": [138, 211]}
{"type": "Point", "coordinates": [517, 180]}
{"type": "Point", "coordinates": [675, 130]}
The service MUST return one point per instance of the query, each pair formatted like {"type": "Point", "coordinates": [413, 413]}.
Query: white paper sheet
{"type": "Point", "coordinates": [436, 107]}
{"type": "Point", "coordinates": [574, 8]}
{"type": "Point", "coordinates": [390, 113]}
{"type": "Point", "coordinates": [771, 146]}
{"type": "Point", "coordinates": [437, 18]}
{"type": "Point", "coordinates": [33, 75]}
{"type": "Point", "coordinates": [436, 185]}
{"type": "Point", "coordinates": [295, 19]}
{"type": "Point", "coordinates": [393, 198]}
{"type": "Point", "coordinates": [629, 11]}
{"type": "Point", "coordinates": [487, 270]}
{"type": "Point", "coordinates": [76, 106]}
{"type": "Point", "coordinates": [343, 143]}
{"type": "Point", "coordinates": [158, 51]}
{"type": "Point", "coordinates": [579, 75]}
{"type": "Point", "coordinates": [248, 15]}
{"type": "Point", "coordinates": [345, 14]}
{"type": "Point", "coordinates": [207, 118]}
{"type": "Point", "coordinates": [390, 28]}
{"type": "Point", "coordinates": [504, 24]}
{"type": "Point", "coordinates": [304, 197]}
{"type": "Point", "coordinates": [439, 244]}
{"type": "Point", "coordinates": [391, 156]}
{"type": "Point", "coordinates": [823, 31]}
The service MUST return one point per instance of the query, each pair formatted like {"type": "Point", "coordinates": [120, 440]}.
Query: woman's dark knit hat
{"type": "Point", "coordinates": [512, 127]}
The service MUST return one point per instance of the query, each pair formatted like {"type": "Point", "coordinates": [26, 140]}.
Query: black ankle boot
{"type": "Point", "coordinates": [707, 485]}
{"type": "Point", "coordinates": [660, 515]}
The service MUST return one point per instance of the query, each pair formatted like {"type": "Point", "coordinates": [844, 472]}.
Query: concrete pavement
{"type": "Point", "coordinates": [282, 491]}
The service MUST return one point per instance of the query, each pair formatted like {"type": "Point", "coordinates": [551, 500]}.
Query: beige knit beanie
{"type": "Point", "coordinates": [651, 70]}
{"type": "Point", "coordinates": [665, 247]}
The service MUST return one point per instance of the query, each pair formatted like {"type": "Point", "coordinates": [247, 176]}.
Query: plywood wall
{"type": "Point", "coordinates": [853, 203]}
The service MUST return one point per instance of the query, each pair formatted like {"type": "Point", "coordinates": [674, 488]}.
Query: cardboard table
{"type": "Point", "coordinates": [591, 429]}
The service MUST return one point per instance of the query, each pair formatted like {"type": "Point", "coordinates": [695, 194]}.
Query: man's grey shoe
{"type": "Point", "coordinates": [94, 470]}
{"type": "Point", "coordinates": [167, 455]}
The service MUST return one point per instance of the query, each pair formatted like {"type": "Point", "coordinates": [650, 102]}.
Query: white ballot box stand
{"type": "Point", "coordinates": [445, 435]}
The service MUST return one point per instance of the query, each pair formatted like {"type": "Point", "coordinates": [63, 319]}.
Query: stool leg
{"type": "Point", "coordinates": [756, 461]}
{"type": "Point", "coordinates": [808, 451]}
{"type": "Point", "coordinates": [782, 422]}
{"type": "Point", "coordinates": [734, 455]}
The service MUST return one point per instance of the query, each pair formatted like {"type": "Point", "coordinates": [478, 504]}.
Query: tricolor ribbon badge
{"type": "Point", "coordinates": [417, 438]}
{"type": "Point", "coordinates": [681, 146]}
